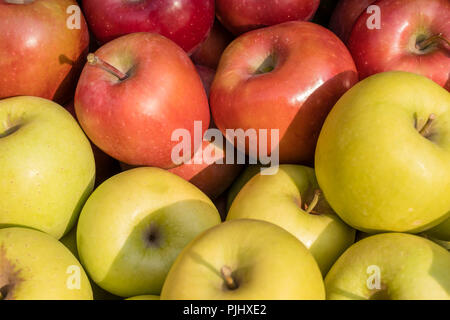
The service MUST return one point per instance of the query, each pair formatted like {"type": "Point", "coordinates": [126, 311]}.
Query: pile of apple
{"type": "Point", "coordinates": [93, 204]}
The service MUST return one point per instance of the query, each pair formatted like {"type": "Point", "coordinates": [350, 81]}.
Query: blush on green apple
{"type": "Point", "coordinates": [291, 199]}
{"type": "Point", "coordinates": [134, 225]}
{"type": "Point", "coordinates": [47, 168]}
{"type": "Point", "coordinates": [244, 259]}
{"type": "Point", "coordinates": [383, 154]}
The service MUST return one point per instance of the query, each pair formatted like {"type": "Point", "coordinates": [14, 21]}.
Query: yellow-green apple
{"type": "Point", "coordinates": [209, 52]}
{"type": "Point", "coordinates": [240, 16]}
{"type": "Point", "coordinates": [249, 172]}
{"type": "Point", "coordinates": [285, 77]}
{"type": "Point", "coordinates": [291, 199]}
{"type": "Point", "coordinates": [134, 225]}
{"type": "Point", "coordinates": [135, 92]}
{"type": "Point", "coordinates": [413, 36]}
{"type": "Point", "coordinates": [441, 231]}
{"type": "Point", "coordinates": [35, 266]}
{"type": "Point", "coordinates": [345, 15]}
{"type": "Point", "coordinates": [244, 259]}
{"type": "Point", "coordinates": [391, 266]}
{"type": "Point", "coordinates": [43, 47]}
{"type": "Point", "coordinates": [186, 22]}
{"type": "Point", "coordinates": [383, 154]}
{"type": "Point", "coordinates": [144, 297]}
{"type": "Point", "coordinates": [47, 168]}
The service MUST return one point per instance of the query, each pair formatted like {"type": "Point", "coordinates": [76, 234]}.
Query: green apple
{"type": "Point", "coordinates": [35, 266]}
{"type": "Point", "coordinates": [243, 178]}
{"type": "Point", "coordinates": [393, 266]}
{"type": "Point", "coordinates": [47, 168]}
{"type": "Point", "coordinates": [134, 225]}
{"type": "Point", "coordinates": [144, 297]}
{"type": "Point", "coordinates": [441, 231]}
{"type": "Point", "coordinates": [244, 259]}
{"type": "Point", "coordinates": [383, 155]}
{"type": "Point", "coordinates": [291, 199]}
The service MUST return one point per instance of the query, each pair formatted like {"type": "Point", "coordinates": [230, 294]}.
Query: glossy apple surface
{"type": "Point", "coordinates": [186, 22]}
{"type": "Point", "coordinates": [262, 260]}
{"type": "Point", "coordinates": [35, 266]}
{"type": "Point", "coordinates": [379, 166]}
{"type": "Point", "coordinates": [133, 119]}
{"type": "Point", "coordinates": [39, 55]}
{"type": "Point", "coordinates": [285, 77]}
{"type": "Point", "coordinates": [404, 40]}
{"type": "Point", "coordinates": [240, 16]}
{"type": "Point", "coordinates": [47, 168]}
{"type": "Point", "coordinates": [411, 268]}
{"type": "Point", "coordinates": [135, 224]}
{"type": "Point", "coordinates": [284, 199]}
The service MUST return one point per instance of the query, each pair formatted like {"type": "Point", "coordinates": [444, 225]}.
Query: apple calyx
{"type": "Point", "coordinates": [9, 277]}
{"type": "Point", "coordinates": [94, 60]}
{"type": "Point", "coordinates": [227, 276]}
{"type": "Point", "coordinates": [424, 44]}
{"type": "Point", "coordinates": [425, 131]}
{"type": "Point", "coordinates": [267, 65]}
{"type": "Point", "coordinates": [152, 236]}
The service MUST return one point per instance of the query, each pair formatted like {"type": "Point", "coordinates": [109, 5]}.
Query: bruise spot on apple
{"type": "Point", "coordinates": [9, 276]}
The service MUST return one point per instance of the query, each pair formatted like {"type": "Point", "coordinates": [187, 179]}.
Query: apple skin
{"type": "Point", "coordinates": [144, 297]}
{"type": "Point", "coordinates": [240, 16]}
{"type": "Point", "coordinates": [441, 231]}
{"type": "Point", "coordinates": [209, 52]}
{"type": "Point", "coordinates": [280, 199]}
{"type": "Point", "coordinates": [47, 168]}
{"type": "Point", "coordinates": [186, 22]}
{"type": "Point", "coordinates": [392, 48]}
{"type": "Point", "coordinates": [249, 172]}
{"type": "Point", "coordinates": [345, 15]}
{"type": "Point", "coordinates": [34, 266]}
{"type": "Point", "coordinates": [313, 68]}
{"type": "Point", "coordinates": [207, 76]}
{"type": "Point", "coordinates": [412, 268]}
{"type": "Point", "coordinates": [39, 55]}
{"type": "Point", "coordinates": [383, 175]}
{"type": "Point", "coordinates": [134, 225]}
{"type": "Point", "coordinates": [133, 120]}
{"type": "Point", "coordinates": [267, 262]}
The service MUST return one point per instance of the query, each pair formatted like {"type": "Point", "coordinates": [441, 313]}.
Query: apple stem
{"type": "Point", "coordinates": [93, 60]}
{"type": "Point", "coordinates": [425, 130]}
{"type": "Point", "coordinates": [228, 278]}
{"type": "Point", "coordinates": [427, 42]}
{"type": "Point", "coordinates": [313, 204]}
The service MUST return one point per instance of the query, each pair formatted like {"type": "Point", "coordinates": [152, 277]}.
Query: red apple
{"type": "Point", "coordinates": [138, 90]}
{"type": "Point", "coordinates": [240, 16]}
{"type": "Point", "coordinates": [414, 37]}
{"type": "Point", "coordinates": [345, 16]}
{"type": "Point", "coordinates": [39, 54]}
{"type": "Point", "coordinates": [285, 77]}
{"type": "Point", "coordinates": [105, 166]}
{"type": "Point", "coordinates": [207, 76]}
{"type": "Point", "coordinates": [186, 22]}
{"type": "Point", "coordinates": [209, 52]}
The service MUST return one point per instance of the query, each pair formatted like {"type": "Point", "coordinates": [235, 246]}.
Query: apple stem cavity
{"type": "Point", "coordinates": [425, 131]}
{"type": "Point", "coordinates": [422, 45]}
{"type": "Point", "coordinates": [226, 273]}
{"type": "Point", "coordinates": [93, 60]}
{"type": "Point", "coordinates": [309, 208]}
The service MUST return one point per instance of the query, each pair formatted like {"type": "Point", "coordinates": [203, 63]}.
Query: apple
{"type": "Point", "coordinates": [244, 259]}
{"type": "Point", "coordinates": [240, 16]}
{"type": "Point", "coordinates": [207, 76]}
{"type": "Point", "coordinates": [291, 199]}
{"type": "Point", "coordinates": [47, 169]}
{"type": "Point", "coordinates": [39, 54]}
{"type": "Point", "coordinates": [390, 266]}
{"type": "Point", "coordinates": [345, 15]}
{"type": "Point", "coordinates": [135, 92]}
{"type": "Point", "coordinates": [440, 232]}
{"type": "Point", "coordinates": [105, 166]}
{"type": "Point", "coordinates": [35, 266]}
{"type": "Point", "coordinates": [324, 12]}
{"type": "Point", "coordinates": [414, 36]}
{"type": "Point", "coordinates": [134, 225]}
{"type": "Point", "coordinates": [383, 154]}
{"type": "Point", "coordinates": [285, 77]}
{"type": "Point", "coordinates": [186, 22]}
{"type": "Point", "coordinates": [209, 52]}
{"type": "Point", "coordinates": [249, 172]}
{"type": "Point", "coordinates": [144, 297]}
